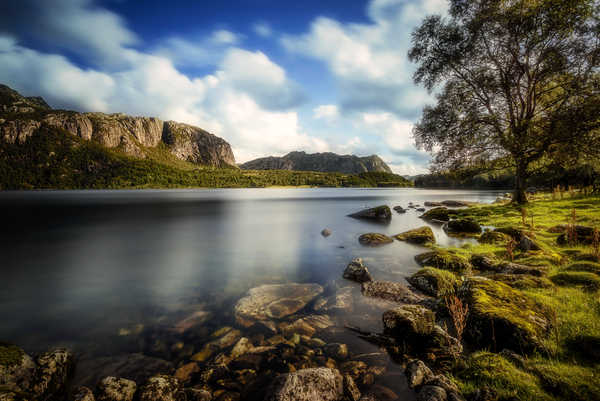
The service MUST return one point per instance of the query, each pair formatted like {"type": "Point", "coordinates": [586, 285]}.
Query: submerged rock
{"type": "Point", "coordinates": [420, 236]}
{"type": "Point", "coordinates": [435, 282]}
{"type": "Point", "coordinates": [374, 239]}
{"type": "Point", "coordinates": [274, 301]}
{"type": "Point", "coordinates": [116, 389]}
{"type": "Point", "coordinates": [445, 260]}
{"type": "Point", "coordinates": [357, 271]}
{"type": "Point", "coordinates": [390, 291]}
{"type": "Point", "coordinates": [323, 384]}
{"type": "Point", "coordinates": [160, 388]}
{"type": "Point", "coordinates": [381, 213]}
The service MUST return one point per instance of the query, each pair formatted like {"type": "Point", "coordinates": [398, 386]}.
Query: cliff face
{"type": "Point", "coordinates": [325, 162]}
{"type": "Point", "coordinates": [20, 117]}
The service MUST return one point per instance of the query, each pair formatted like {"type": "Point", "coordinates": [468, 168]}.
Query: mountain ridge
{"type": "Point", "coordinates": [322, 162]}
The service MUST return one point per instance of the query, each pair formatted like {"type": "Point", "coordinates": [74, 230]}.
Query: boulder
{"type": "Point", "coordinates": [53, 371]}
{"type": "Point", "coordinates": [445, 260]}
{"type": "Point", "coordinates": [484, 263]}
{"type": "Point", "coordinates": [503, 317]}
{"type": "Point", "coordinates": [161, 388]}
{"type": "Point", "coordinates": [432, 393]}
{"type": "Point", "coordinates": [455, 203]}
{"type": "Point", "coordinates": [524, 242]}
{"type": "Point", "coordinates": [184, 372]}
{"type": "Point", "coordinates": [417, 373]}
{"type": "Point", "coordinates": [274, 301]}
{"type": "Point", "coordinates": [493, 237]}
{"type": "Point", "coordinates": [17, 369]}
{"type": "Point", "coordinates": [322, 384]}
{"type": "Point", "coordinates": [408, 321]}
{"type": "Point", "coordinates": [380, 213]}
{"type": "Point", "coordinates": [390, 291]}
{"type": "Point", "coordinates": [357, 271]}
{"type": "Point", "coordinates": [336, 351]}
{"type": "Point", "coordinates": [433, 204]}
{"type": "Point", "coordinates": [420, 236]}
{"type": "Point", "coordinates": [399, 209]}
{"type": "Point", "coordinates": [438, 213]}
{"type": "Point", "coordinates": [116, 389]}
{"type": "Point", "coordinates": [326, 232]}
{"type": "Point", "coordinates": [351, 391]}
{"type": "Point", "coordinates": [462, 226]}
{"type": "Point", "coordinates": [435, 282]}
{"type": "Point", "coordinates": [374, 239]}
{"type": "Point", "coordinates": [83, 394]}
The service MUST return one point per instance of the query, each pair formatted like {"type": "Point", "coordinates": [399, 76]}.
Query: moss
{"type": "Point", "coordinates": [567, 381]}
{"type": "Point", "coordinates": [10, 355]}
{"type": "Point", "coordinates": [462, 226]}
{"type": "Point", "coordinates": [435, 282]}
{"type": "Point", "coordinates": [445, 260]}
{"type": "Point", "coordinates": [421, 235]}
{"type": "Point", "coordinates": [504, 317]}
{"type": "Point", "coordinates": [496, 373]}
{"type": "Point", "coordinates": [437, 213]}
{"type": "Point", "coordinates": [586, 280]}
{"type": "Point", "coordinates": [374, 239]}
{"type": "Point", "coordinates": [590, 267]}
{"type": "Point", "coordinates": [585, 347]}
{"type": "Point", "coordinates": [523, 281]}
{"type": "Point", "coordinates": [493, 237]}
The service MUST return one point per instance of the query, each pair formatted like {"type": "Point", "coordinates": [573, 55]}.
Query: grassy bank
{"type": "Point", "coordinates": [54, 159]}
{"type": "Point", "coordinates": [567, 366]}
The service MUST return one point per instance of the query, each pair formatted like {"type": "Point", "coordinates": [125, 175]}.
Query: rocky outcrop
{"type": "Point", "coordinates": [20, 117]}
{"type": "Point", "coordinates": [324, 162]}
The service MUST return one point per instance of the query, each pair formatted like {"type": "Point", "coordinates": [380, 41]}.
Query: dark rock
{"type": "Point", "coordinates": [161, 388]}
{"type": "Point", "coordinates": [417, 373]}
{"type": "Point", "coordinates": [438, 213]}
{"type": "Point", "coordinates": [432, 393]}
{"type": "Point", "coordinates": [421, 209]}
{"type": "Point", "coordinates": [357, 271]}
{"type": "Point", "coordinates": [524, 243]}
{"type": "Point", "coordinates": [380, 393]}
{"type": "Point", "coordinates": [399, 209]}
{"type": "Point", "coordinates": [83, 394]}
{"type": "Point", "coordinates": [493, 237]}
{"type": "Point", "coordinates": [53, 371]}
{"type": "Point", "coordinates": [433, 204]}
{"type": "Point", "coordinates": [390, 291]}
{"type": "Point", "coordinates": [382, 213]}
{"type": "Point", "coordinates": [351, 391]}
{"type": "Point", "coordinates": [435, 282]}
{"type": "Point", "coordinates": [455, 203]}
{"type": "Point", "coordinates": [326, 232]}
{"type": "Point", "coordinates": [115, 389]}
{"type": "Point", "coordinates": [185, 372]}
{"type": "Point", "coordinates": [17, 369]}
{"type": "Point", "coordinates": [408, 320]}
{"type": "Point", "coordinates": [197, 394]}
{"type": "Point", "coordinates": [445, 260]}
{"type": "Point", "coordinates": [484, 263]}
{"type": "Point", "coordinates": [323, 384]}
{"type": "Point", "coordinates": [420, 236]}
{"type": "Point", "coordinates": [584, 236]}
{"type": "Point", "coordinates": [462, 226]}
{"type": "Point", "coordinates": [336, 351]}
{"type": "Point", "coordinates": [374, 239]}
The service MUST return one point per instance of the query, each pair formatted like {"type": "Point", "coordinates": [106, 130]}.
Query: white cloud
{"type": "Point", "coordinates": [328, 112]}
{"type": "Point", "coordinates": [224, 37]}
{"type": "Point", "coordinates": [263, 29]}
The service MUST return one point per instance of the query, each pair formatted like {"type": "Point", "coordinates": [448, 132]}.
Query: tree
{"type": "Point", "coordinates": [519, 80]}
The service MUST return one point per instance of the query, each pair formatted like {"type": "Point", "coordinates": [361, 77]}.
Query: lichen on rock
{"type": "Point", "coordinates": [422, 235]}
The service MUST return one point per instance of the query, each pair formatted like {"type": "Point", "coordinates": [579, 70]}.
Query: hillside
{"type": "Point", "coordinates": [324, 162]}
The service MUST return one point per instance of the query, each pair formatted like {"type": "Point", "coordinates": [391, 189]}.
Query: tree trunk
{"type": "Point", "coordinates": [519, 195]}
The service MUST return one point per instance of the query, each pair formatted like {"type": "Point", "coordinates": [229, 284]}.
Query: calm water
{"type": "Point", "coordinates": [83, 268]}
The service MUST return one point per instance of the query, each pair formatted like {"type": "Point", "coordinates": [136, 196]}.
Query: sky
{"type": "Point", "coordinates": [268, 76]}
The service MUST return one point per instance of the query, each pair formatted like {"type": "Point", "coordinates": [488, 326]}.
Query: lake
{"type": "Point", "coordinates": [110, 273]}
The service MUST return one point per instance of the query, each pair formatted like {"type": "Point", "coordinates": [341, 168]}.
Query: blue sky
{"type": "Point", "coordinates": [268, 76]}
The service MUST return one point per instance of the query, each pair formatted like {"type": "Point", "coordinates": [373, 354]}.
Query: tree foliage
{"type": "Point", "coordinates": [520, 82]}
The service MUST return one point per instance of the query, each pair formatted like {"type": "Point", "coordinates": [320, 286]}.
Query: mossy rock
{"type": "Point", "coordinates": [438, 213]}
{"type": "Point", "coordinates": [586, 280]}
{"type": "Point", "coordinates": [499, 377]}
{"type": "Point", "coordinates": [445, 260]}
{"type": "Point", "coordinates": [493, 237]}
{"type": "Point", "coordinates": [590, 267]}
{"type": "Point", "coordinates": [408, 320]}
{"type": "Point", "coordinates": [585, 347]}
{"type": "Point", "coordinates": [503, 317]}
{"type": "Point", "coordinates": [374, 239]}
{"type": "Point", "coordinates": [435, 282]}
{"type": "Point", "coordinates": [422, 235]}
{"type": "Point", "coordinates": [381, 213]}
{"type": "Point", "coordinates": [584, 236]}
{"type": "Point", "coordinates": [462, 226]}
{"type": "Point", "coordinates": [10, 355]}
{"type": "Point", "coordinates": [567, 381]}
{"type": "Point", "coordinates": [523, 281]}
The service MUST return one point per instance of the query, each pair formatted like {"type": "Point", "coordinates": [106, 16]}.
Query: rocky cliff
{"type": "Point", "coordinates": [21, 117]}
{"type": "Point", "coordinates": [325, 162]}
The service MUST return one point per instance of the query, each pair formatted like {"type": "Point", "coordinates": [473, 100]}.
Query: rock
{"type": "Point", "coordinates": [185, 372]}
{"type": "Point", "coordinates": [197, 394]}
{"type": "Point", "coordinates": [432, 393]}
{"type": "Point", "coordinates": [524, 243]}
{"type": "Point", "coordinates": [435, 282]}
{"type": "Point", "coordinates": [455, 203]}
{"type": "Point", "coordinates": [355, 369]}
{"type": "Point", "coordinates": [357, 271]}
{"type": "Point", "coordinates": [83, 394]}
{"type": "Point", "coordinates": [374, 239]}
{"type": "Point", "coordinates": [241, 347]}
{"type": "Point", "coordinates": [399, 209]}
{"type": "Point", "coordinates": [325, 162]}
{"type": "Point", "coordinates": [493, 237]}
{"type": "Point", "coordinates": [390, 291]}
{"type": "Point", "coordinates": [462, 226]}
{"type": "Point", "coordinates": [380, 393]}
{"type": "Point", "coordinates": [438, 213]}
{"type": "Point", "coordinates": [53, 371]}
{"type": "Point", "coordinates": [484, 263]}
{"type": "Point", "coordinates": [336, 351]}
{"type": "Point", "coordinates": [433, 204]}
{"type": "Point", "coordinates": [341, 301]}
{"type": "Point", "coordinates": [421, 209]}
{"type": "Point", "coordinates": [351, 391]}
{"type": "Point", "coordinates": [584, 236]}
{"type": "Point", "coordinates": [17, 369]}
{"type": "Point", "coordinates": [274, 301]}
{"type": "Point", "coordinates": [408, 321]}
{"type": "Point", "coordinates": [420, 236]}
{"type": "Point", "coordinates": [381, 213]}
{"type": "Point", "coordinates": [160, 388]}
{"type": "Point", "coordinates": [326, 232]}
{"type": "Point", "coordinates": [319, 322]}
{"type": "Point", "coordinates": [323, 384]}
{"type": "Point", "coordinates": [503, 317]}
{"type": "Point", "coordinates": [445, 260]}
{"type": "Point", "coordinates": [195, 319]}
{"type": "Point", "coordinates": [115, 389]}
{"type": "Point", "coordinates": [300, 327]}
{"type": "Point", "coordinates": [417, 373]}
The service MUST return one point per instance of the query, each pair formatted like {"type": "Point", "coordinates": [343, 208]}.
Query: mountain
{"type": "Point", "coordinates": [22, 117]}
{"type": "Point", "coordinates": [323, 162]}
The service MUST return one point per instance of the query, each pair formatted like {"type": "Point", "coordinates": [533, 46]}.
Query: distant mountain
{"type": "Point", "coordinates": [22, 117]}
{"type": "Point", "coordinates": [323, 162]}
